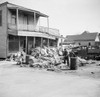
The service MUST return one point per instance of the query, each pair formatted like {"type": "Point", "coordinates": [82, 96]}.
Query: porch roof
{"type": "Point", "coordinates": [31, 34]}
{"type": "Point", "coordinates": [13, 6]}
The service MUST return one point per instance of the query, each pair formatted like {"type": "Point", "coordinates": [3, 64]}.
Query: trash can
{"type": "Point", "coordinates": [73, 63]}
{"type": "Point", "coordinates": [27, 59]}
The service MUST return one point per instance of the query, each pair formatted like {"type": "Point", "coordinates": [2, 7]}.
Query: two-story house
{"type": "Point", "coordinates": [19, 30]}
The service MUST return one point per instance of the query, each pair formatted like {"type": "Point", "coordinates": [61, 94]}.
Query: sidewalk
{"type": "Point", "coordinates": [2, 63]}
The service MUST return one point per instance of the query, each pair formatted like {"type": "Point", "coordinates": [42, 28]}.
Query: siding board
{"type": "Point", "coordinates": [3, 33]}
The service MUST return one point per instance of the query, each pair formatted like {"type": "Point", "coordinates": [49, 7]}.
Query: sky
{"type": "Point", "coordinates": [69, 16]}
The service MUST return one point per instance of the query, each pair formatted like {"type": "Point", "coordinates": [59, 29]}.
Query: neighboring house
{"type": "Point", "coordinates": [19, 30]}
{"type": "Point", "coordinates": [84, 39]}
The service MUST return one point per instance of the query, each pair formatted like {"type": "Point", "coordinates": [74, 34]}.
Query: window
{"type": "Point", "coordinates": [79, 44]}
{"type": "Point", "coordinates": [89, 44]}
{"type": "Point", "coordinates": [13, 43]}
{"type": "Point", "coordinates": [45, 42]}
{"type": "Point", "coordinates": [0, 17]}
{"type": "Point", "coordinates": [26, 21]}
{"type": "Point", "coordinates": [13, 18]}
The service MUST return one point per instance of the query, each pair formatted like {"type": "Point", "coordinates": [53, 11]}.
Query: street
{"type": "Point", "coordinates": [16, 81]}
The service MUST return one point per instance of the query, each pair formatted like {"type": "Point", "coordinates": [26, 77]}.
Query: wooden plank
{"type": "Point", "coordinates": [3, 33]}
{"type": "Point", "coordinates": [26, 45]}
{"type": "Point", "coordinates": [17, 16]}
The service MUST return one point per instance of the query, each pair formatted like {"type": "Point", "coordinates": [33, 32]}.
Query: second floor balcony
{"type": "Point", "coordinates": [30, 28]}
{"type": "Point", "coordinates": [23, 19]}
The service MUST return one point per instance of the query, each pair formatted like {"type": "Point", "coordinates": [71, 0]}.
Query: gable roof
{"type": "Point", "coordinates": [85, 36]}
{"type": "Point", "coordinates": [71, 38]}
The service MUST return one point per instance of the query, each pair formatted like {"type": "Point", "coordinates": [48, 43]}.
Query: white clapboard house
{"type": "Point", "coordinates": [20, 29]}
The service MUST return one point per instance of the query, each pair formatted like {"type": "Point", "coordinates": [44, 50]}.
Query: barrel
{"type": "Point", "coordinates": [73, 63]}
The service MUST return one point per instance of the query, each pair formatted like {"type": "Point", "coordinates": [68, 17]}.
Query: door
{"type": "Point", "coordinates": [22, 44]}
{"type": "Point", "coordinates": [30, 44]}
{"type": "Point", "coordinates": [25, 22]}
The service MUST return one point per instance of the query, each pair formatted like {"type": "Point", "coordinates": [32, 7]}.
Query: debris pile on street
{"type": "Point", "coordinates": [39, 58]}
{"type": "Point", "coordinates": [19, 57]}
{"type": "Point", "coordinates": [81, 61]}
{"type": "Point", "coordinates": [45, 58]}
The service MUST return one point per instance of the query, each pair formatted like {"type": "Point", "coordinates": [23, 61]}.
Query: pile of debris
{"type": "Point", "coordinates": [46, 58]}
{"type": "Point", "coordinates": [19, 57]}
{"type": "Point", "coordinates": [39, 58]}
{"type": "Point", "coordinates": [81, 61]}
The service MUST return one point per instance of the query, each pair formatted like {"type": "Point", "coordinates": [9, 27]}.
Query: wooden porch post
{"type": "Point", "coordinates": [17, 19]}
{"type": "Point", "coordinates": [34, 42]}
{"type": "Point", "coordinates": [26, 45]}
{"type": "Point", "coordinates": [34, 20]}
{"type": "Point", "coordinates": [19, 43]}
{"type": "Point", "coordinates": [39, 23]}
{"type": "Point", "coordinates": [41, 42]}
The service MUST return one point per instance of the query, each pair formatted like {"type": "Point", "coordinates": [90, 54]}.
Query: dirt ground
{"type": "Point", "coordinates": [16, 81]}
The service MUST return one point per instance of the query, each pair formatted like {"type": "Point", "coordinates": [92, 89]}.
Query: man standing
{"type": "Point", "coordinates": [66, 58]}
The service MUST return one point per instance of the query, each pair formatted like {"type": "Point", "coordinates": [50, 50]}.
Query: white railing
{"type": "Point", "coordinates": [51, 31]}
{"type": "Point", "coordinates": [12, 26]}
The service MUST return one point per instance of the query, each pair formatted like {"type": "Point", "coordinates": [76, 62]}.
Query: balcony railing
{"type": "Point", "coordinates": [47, 30]}
{"type": "Point", "coordinates": [12, 26]}
{"type": "Point", "coordinates": [31, 28]}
